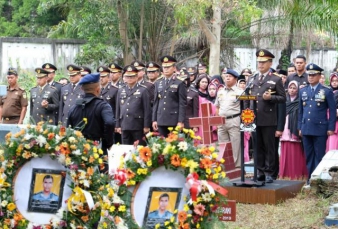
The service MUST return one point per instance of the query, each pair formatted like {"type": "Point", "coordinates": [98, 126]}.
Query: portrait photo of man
{"type": "Point", "coordinates": [161, 212]}
{"type": "Point", "coordinates": [46, 194]}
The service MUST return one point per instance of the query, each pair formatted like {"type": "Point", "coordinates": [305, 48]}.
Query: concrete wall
{"type": "Point", "coordinates": [30, 53]}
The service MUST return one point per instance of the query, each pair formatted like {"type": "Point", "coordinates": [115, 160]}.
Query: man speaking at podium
{"type": "Point", "coordinates": [269, 91]}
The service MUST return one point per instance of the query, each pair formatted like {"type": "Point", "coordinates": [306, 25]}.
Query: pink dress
{"type": "Point", "coordinates": [332, 141]}
{"type": "Point", "coordinates": [292, 158]}
{"type": "Point", "coordinates": [213, 111]}
{"type": "Point", "coordinates": [246, 146]}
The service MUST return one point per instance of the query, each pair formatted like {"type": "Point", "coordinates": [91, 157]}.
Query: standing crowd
{"type": "Point", "coordinates": [293, 107]}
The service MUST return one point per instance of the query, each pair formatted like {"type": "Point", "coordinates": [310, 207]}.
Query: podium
{"type": "Point", "coordinates": [248, 123]}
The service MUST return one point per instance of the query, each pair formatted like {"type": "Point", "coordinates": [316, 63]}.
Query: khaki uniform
{"type": "Point", "coordinates": [12, 105]}
{"type": "Point", "coordinates": [230, 109]}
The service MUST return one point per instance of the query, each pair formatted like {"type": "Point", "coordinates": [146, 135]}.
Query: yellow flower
{"type": "Point", "coordinates": [208, 171]}
{"type": "Point", "coordinates": [214, 155]}
{"type": "Point", "coordinates": [157, 226]}
{"type": "Point", "coordinates": [94, 149]}
{"type": "Point", "coordinates": [218, 169]}
{"type": "Point", "coordinates": [131, 182]}
{"type": "Point", "coordinates": [172, 219]}
{"type": "Point", "coordinates": [96, 156]}
{"type": "Point", "coordinates": [149, 163]}
{"type": "Point", "coordinates": [122, 208]}
{"type": "Point", "coordinates": [85, 120]}
{"type": "Point", "coordinates": [112, 208]}
{"type": "Point", "coordinates": [192, 165]}
{"type": "Point", "coordinates": [223, 174]}
{"type": "Point", "coordinates": [185, 130]}
{"type": "Point", "coordinates": [176, 210]}
{"type": "Point", "coordinates": [166, 223]}
{"type": "Point", "coordinates": [11, 206]}
{"type": "Point", "coordinates": [222, 160]}
{"type": "Point", "coordinates": [215, 176]}
{"type": "Point", "coordinates": [100, 160]}
{"type": "Point", "coordinates": [105, 225]}
{"type": "Point", "coordinates": [212, 149]}
{"type": "Point", "coordinates": [100, 151]}
{"type": "Point", "coordinates": [170, 128]}
{"type": "Point", "coordinates": [166, 149]}
{"type": "Point", "coordinates": [198, 225]}
{"type": "Point", "coordinates": [186, 208]}
{"type": "Point", "coordinates": [184, 162]}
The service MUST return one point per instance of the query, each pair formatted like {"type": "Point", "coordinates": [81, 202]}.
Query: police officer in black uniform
{"type": "Point", "coordinates": [115, 76]}
{"type": "Point", "coordinates": [141, 79]}
{"type": "Point", "coordinates": [153, 71]}
{"type": "Point", "coordinates": [133, 112]}
{"type": "Point", "coordinates": [44, 99]}
{"type": "Point", "coordinates": [170, 99]}
{"type": "Point", "coordinates": [108, 91]}
{"type": "Point", "coordinates": [100, 124]}
{"type": "Point", "coordinates": [70, 92]}
{"type": "Point", "coordinates": [50, 80]}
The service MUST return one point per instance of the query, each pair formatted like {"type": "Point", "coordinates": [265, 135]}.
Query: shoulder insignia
{"type": "Point", "coordinates": [22, 89]}
{"type": "Point", "coordinates": [53, 87]}
{"type": "Point", "coordinates": [181, 78]}
{"type": "Point", "coordinates": [142, 85]}
{"type": "Point", "coordinates": [112, 85]}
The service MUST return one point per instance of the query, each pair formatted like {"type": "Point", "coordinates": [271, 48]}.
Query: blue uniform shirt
{"type": "Point", "coordinates": [156, 215]}
{"type": "Point", "coordinates": [313, 110]}
{"type": "Point", "coordinates": [41, 197]}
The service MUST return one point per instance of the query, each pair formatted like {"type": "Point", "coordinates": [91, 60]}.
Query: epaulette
{"type": "Point", "coordinates": [142, 85]}
{"type": "Point", "coordinates": [53, 87]}
{"type": "Point", "coordinates": [181, 78]}
{"type": "Point", "coordinates": [21, 89]}
{"type": "Point", "coordinates": [159, 78]}
{"type": "Point", "coordinates": [112, 85]}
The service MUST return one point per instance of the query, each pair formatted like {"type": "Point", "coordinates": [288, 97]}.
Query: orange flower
{"type": "Point", "coordinates": [17, 217]}
{"type": "Point", "coordinates": [130, 174]}
{"type": "Point", "coordinates": [78, 133]}
{"type": "Point", "coordinates": [91, 159]}
{"type": "Point", "coordinates": [206, 163]}
{"type": "Point", "coordinates": [182, 216]}
{"type": "Point", "coordinates": [184, 226]}
{"type": "Point", "coordinates": [64, 149]}
{"type": "Point", "coordinates": [171, 137]}
{"type": "Point", "coordinates": [90, 171]}
{"type": "Point", "coordinates": [8, 221]}
{"type": "Point", "coordinates": [62, 131]}
{"type": "Point", "coordinates": [205, 151]}
{"type": "Point", "coordinates": [145, 153]}
{"type": "Point", "coordinates": [175, 160]}
{"type": "Point", "coordinates": [50, 136]}
{"type": "Point", "coordinates": [85, 218]}
{"type": "Point", "coordinates": [117, 220]}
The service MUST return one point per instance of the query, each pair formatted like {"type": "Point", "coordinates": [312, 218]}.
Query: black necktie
{"type": "Point", "coordinates": [261, 78]}
{"type": "Point", "coordinates": [312, 91]}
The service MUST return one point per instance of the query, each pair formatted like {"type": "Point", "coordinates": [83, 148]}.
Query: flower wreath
{"type": "Point", "coordinates": [110, 193]}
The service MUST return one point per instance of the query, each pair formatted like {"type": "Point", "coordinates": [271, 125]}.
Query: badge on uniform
{"type": "Point", "coordinates": [174, 86]}
{"type": "Point", "coordinates": [108, 98]}
{"type": "Point", "coordinates": [159, 96]}
{"type": "Point", "coordinates": [271, 82]}
{"type": "Point", "coordinates": [122, 101]}
{"type": "Point", "coordinates": [304, 96]}
{"type": "Point", "coordinates": [320, 97]}
{"type": "Point", "coordinates": [24, 95]}
{"type": "Point", "coordinates": [304, 103]}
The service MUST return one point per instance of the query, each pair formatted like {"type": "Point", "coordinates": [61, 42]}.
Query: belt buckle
{"type": "Point", "coordinates": [7, 119]}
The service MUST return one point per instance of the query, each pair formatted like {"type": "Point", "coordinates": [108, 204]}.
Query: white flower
{"type": "Point", "coordinates": [1, 152]}
{"type": "Point", "coordinates": [121, 224]}
{"type": "Point", "coordinates": [41, 140]}
{"type": "Point", "coordinates": [57, 138]}
{"type": "Point", "coordinates": [155, 148]}
{"type": "Point", "coordinates": [60, 213]}
{"type": "Point", "coordinates": [13, 223]}
{"type": "Point", "coordinates": [4, 203]}
{"type": "Point", "coordinates": [76, 152]}
{"type": "Point", "coordinates": [183, 146]}
{"type": "Point", "coordinates": [55, 222]}
{"type": "Point", "coordinates": [86, 183]}
{"type": "Point", "coordinates": [71, 139]}
{"type": "Point", "coordinates": [117, 200]}
{"type": "Point", "coordinates": [62, 158]}
{"type": "Point", "coordinates": [206, 197]}
{"type": "Point", "coordinates": [27, 137]}
{"type": "Point", "coordinates": [34, 155]}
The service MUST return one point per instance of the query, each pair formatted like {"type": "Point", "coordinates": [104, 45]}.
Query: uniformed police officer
{"type": "Point", "coordinates": [108, 91]}
{"type": "Point", "coordinates": [192, 107]}
{"type": "Point", "coordinates": [50, 80]}
{"type": "Point", "coordinates": [269, 91]}
{"type": "Point", "coordinates": [153, 71]}
{"type": "Point", "coordinates": [313, 122]}
{"type": "Point", "coordinates": [115, 76]}
{"type": "Point", "coordinates": [44, 99]}
{"type": "Point", "coordinates": [161, 212]}
{"type": "Point", "coordinates": [13, 106]}
{"type": "Point", "coordinates": [85, 70]}
{"type": "Point", "coordinates": [133, 112]}
{"type": "Point", "coordinates": [141, 79]}
{"type": "Point", "coordinates": [170, 99]}
{"type": "Point", "coordinates": [229, 107]}
{"type": "Point", "coordinates": [100, 124]}
{"type": "Point", "coordinates": [70, 93]}
{"type": "Point", "coordinates": [46, 194]}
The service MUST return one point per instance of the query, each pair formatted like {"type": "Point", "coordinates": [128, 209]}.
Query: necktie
{"type": "Point", "coordinates": [40, 89]}
{"type": "Point", "coordinates": [312, 91]}
{"type": "Point", "coordinates": [261, 77]}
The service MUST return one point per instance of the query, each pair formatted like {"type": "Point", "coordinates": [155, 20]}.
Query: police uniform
{"type": "Point", "coordinates": [266, 113]}
{"type": "Point", "coordinates": [133, 110]}
{"type": "Point", "coordinates": [69, 94]}
{"type": "Point", "coordinates": [13, 103]}
{"type": "Point", "coordinates": [156, 215]}
{"type": "Point", "coordinates": [170, 99]}
{"type": "Point", "coordinates": [85, 70]}
{"type": "Point", "coordinates": [316, 102]}
{"type": "Point", "coordinates": [40, 196]}
{"type": "Point", "coordinates": [229, 108]}
{"type": "Point", "coordinates": [153, 67]}
{"type": "Point", "coordinates": [100, 124]}
{"type": "Point", "coordinates": [38, 94]}
{"type": "Point", "coordinates": [115, 68]}
{"type": "Point", "coordinates": [52, 68]}
{"type": "Point", "coordinates": [109, 92]}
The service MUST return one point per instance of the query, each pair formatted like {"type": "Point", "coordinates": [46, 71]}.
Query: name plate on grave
{"type": "Point", "coordinates": [227, 212]}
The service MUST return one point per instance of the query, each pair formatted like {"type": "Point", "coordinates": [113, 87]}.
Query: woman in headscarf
{"type": "Point", "coordinates": [212, 91]}
{"type": "Point", "coordinates": [292, 157]}
{"type": "Point", "coordinates": [332, 140]}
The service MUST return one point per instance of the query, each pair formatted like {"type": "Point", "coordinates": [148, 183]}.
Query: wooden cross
{"type": "Point", "coordinates": [206, 122]}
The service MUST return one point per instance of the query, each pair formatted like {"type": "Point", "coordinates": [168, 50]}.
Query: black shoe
{"type": "Point", "coordinates": [268, 179]}
{"type": "Point", "coordinates": [260, 177]}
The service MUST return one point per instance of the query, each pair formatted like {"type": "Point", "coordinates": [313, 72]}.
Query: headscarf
{"type": "Point", "coordinates": [212, 99]}
{"type": "Point", "coordinates": [333, 75]}
{"type": "Point", "coordinates": [217, 79]}
{"type": "Point", "coordinates": [292, 111]}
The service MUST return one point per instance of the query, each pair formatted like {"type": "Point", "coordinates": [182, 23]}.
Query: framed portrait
{"type": "Point", "coordinates": [46, 190]}
{"type": "Point", "coordinates": [161, 204]}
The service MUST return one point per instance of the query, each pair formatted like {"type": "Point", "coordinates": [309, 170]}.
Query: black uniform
{"type": "Point", "coordinates": [109, 94]}
{"type": "Point", "coordinates": [100, 124]}
{"type": "Point", "coordinates": [68, 98]}
{"type": "Point", "coordinates": [302, 79]}
{"type": "Point", "coordinates": [58, 86]}
{"type": "Point", "coordinates": [170, 100]}
{"type": "Point", "coordinates": [192, 106]}
{"type": "Point", "coordinates": [133, 113]}
{"type": "Point", "coordinates": [267, 120]}
{"type": "Point", "coordinates": [39, 113]}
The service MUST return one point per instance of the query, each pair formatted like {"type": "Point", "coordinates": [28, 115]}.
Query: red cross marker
{"type": "Point", "coordinates": [206, 122]}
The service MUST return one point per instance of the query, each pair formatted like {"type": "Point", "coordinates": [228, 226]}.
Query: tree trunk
{"type": "Point", "coordinates": [285, 58]}
{"type": "Point", "coordinates": [214, 39]}
{"type": "Point", "coordinates": [123, 29]}
{"type": "Point", "coordinates": [141, 32]}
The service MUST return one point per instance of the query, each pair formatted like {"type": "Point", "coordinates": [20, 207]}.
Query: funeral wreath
{"type": "Point", "coordinates": [110, 194]}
